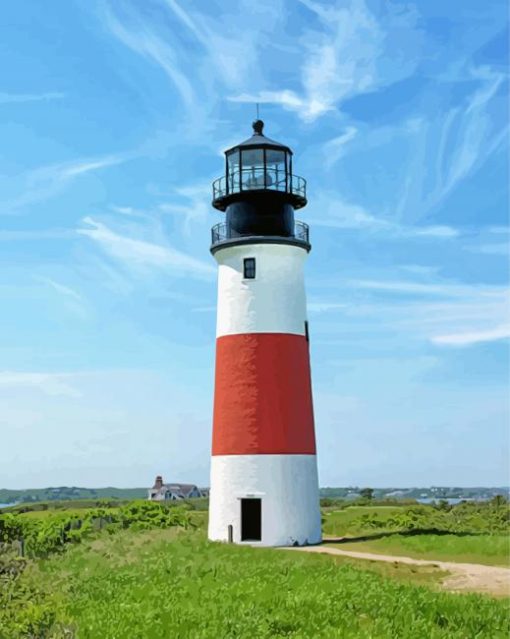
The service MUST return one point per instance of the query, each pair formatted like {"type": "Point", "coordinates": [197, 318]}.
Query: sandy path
{"type": "Point", "coordinates": [492, 580]}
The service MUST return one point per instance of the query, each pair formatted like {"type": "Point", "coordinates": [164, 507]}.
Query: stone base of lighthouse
{"type": "Point", "coordinates": [266, 500]}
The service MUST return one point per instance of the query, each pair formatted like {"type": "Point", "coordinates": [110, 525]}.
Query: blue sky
{"type": "Point", "coordinates": [114, 116]}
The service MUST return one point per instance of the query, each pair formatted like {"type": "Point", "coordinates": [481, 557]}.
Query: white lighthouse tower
{"type": "Point", "coordinates": [264, 486]}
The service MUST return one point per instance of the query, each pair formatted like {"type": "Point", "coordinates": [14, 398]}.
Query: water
{"type": "Point", "coordinates": [451, 500]}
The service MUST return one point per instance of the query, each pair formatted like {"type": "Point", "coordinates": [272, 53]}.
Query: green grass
{"type": "Point", "coordinates": [167, 584]}
{"type": "Point", "coordinates": [48, 514]}
{"type": "Point", "coordinates": [44, 509]}
{"type": "Point", "coordinates": [348, 521]}
{"type": "Point", "coordinates": [151, 582]}
{"type": "Point", "coordinates": [492, 550]}
{"type": "Point", "coordinates": [462, 534]}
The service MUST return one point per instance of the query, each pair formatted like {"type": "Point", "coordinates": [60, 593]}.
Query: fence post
{"type": "Point", "coordinates": [21, 547]}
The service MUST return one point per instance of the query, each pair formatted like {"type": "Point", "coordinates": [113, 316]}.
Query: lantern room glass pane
{"type": "Point", "coordinates": [252, 158]}
{"type": "Point", "coordinates": [252, 172]}
{"type": "Point", "coordinates": [233, 171]}
{"type": "Point", "coordinates": [276, 169]}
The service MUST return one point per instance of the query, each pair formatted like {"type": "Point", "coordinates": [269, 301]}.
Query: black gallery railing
{"type": "Point", "coordinates": [259, 179]}
{"type": "Point", "coordinates": [222, 232]}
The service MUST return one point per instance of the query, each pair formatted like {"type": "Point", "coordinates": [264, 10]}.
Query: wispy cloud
{"type": "Point", "coordinates": [49, 383]}
{"type": "Point", "coordinates": [133, 252]}
{"type": "Point", "coordinates": [9, 98]}
{"type": "Point", "coordinates": [200, 52]}
{"type": "Point", "coordinates": [322, 307]}
{"type": "Point", "coordinates": [334, 149]}
{"type": "Point", "coordinates": [468, 339]}
{"type": "Point", "coordinates": [45, 182]}
{"type": "Point", "coordinates": [141, 36]}
{"type": "Point", "coordinates": [477, 141]}
{"type": "Point", "coordinates": [290, 100]}
{"type": "Point", "coordinates": [433, 310]}
{"type": "Point", "coordinates": [60, 288]}
{"type": "Point", "coordinates": [424, 288]}
{"type": "Point", "coordinates": [232, 58]}
{"type": "Point", "coordinates": [451, 146]}
{"type": "Point", "coordinates": [196, 206]}
{"type": "Point", "coordinates": [334, 212]}
{"type": "Point", "coordinates": [501, 248]}
{"type": "Point", "coordinates": [204, 309]}
{"type": "Point", "coordinates": [348, 53]}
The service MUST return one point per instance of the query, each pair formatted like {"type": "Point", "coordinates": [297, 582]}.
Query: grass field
{"type": "Point", "coordinates": [151, 574]}
{"type": "Point", "coordinates": [349, 521]}
{"type": "Point", "coordinates": [159, 584]}
{"type": "Point", "coordinates": [379, 530]}
{"type": "Point", "coordinates": [492, 550]}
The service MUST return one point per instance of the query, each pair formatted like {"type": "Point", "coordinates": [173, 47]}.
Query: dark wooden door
{"type": "Point", "coordinates": [251, 519]}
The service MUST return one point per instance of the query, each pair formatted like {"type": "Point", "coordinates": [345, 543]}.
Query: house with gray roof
{"type": "Point", "coordinates": [172, 492]}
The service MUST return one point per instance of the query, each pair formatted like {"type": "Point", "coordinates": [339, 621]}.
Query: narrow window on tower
{"type": "Point", "coordinates": [249, 268]}
{"type": "Point", "coordinates": [307, 334]}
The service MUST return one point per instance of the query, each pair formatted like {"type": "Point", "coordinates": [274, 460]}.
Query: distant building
{"type": "Point", "coordinates": [172, 492]}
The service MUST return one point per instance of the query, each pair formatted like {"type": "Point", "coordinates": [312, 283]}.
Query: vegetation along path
{"type": "Point", "coordinates": [493, 580]}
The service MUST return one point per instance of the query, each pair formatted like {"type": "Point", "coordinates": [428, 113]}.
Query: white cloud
{"type": "Point", "coordinates": [60, 288]}
{"type": "Point", "coordinates": [333, 212]}
{"type": "Point", "coordinates": [451, 146]}
{"type": "Point", "coordinates": [501, 248]}
{"type": "Point", "coordinates": [438, 311]}
{"type": "Point", "coordinates": [9, 98]}
{"type": "Point", "coordinates": [467, 339]}
{"type": "Point", "coordinates": [350, 52]}
{"type": "Point", "coordinates": [79, 168]}
{"type": "Point", "coordinates": [133, 252]}
{"type": "Point", "coordinates": [434, 231]}
{"type": "Point", "coordinates": [420, 269]}
{"type": "Point", "coordinates": [141, 37]}
{"type": "Point", "coordinates": [323, 307]}
{"type": "Point", "coordinates": [461, 316]}
{"type": "Point", "coordinates": [129, 211]}
{"type": "Point", "coordinates": [196, 207]}
{"type": "Point", "coordinates": [48, 383]}
{"type": "Point", "coordinates": [475, 142]}
{"type": "Point", "coordinates": [200, 52]}
{"type": "Point", "coordinates": [45, 182]}
{"type": "Point", "coordinates": [232, 58]}
{"type": "Point", "coordinates": [334, 149]}
{"type": "Point", "coordinates": [287, 99]}
{"type": "Point", "coordinates": [441, 289]}
{"type": "Point", "coordinates": [204, 309]}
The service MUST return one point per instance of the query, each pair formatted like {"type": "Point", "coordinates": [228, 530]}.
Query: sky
{"type": "Point", "coordinates": [114, 116]}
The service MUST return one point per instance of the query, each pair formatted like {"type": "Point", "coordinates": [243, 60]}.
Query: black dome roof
{"type": "Point", "coordinates": [258, 139]}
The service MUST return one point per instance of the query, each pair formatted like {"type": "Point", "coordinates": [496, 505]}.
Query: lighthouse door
{"type": "Point", "coordinates": [251, 519]}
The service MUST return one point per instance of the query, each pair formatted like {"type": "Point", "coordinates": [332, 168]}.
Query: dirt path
{"type": "Point", "coordinates": [492, 580]}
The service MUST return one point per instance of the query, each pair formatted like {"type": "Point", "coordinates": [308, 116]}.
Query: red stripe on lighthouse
{"type": "Point", "coordinates": [263, 397]}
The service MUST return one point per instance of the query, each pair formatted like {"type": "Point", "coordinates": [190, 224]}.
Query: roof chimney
{"type": "Point", "coordinates": [159, 482]}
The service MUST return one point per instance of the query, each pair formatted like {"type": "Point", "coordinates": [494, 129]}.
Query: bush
{"type": "Point", "coordinates": [45, 535]}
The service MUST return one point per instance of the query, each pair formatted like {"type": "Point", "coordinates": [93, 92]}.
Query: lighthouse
{"type": "Point", "coordinates": [264, 485]}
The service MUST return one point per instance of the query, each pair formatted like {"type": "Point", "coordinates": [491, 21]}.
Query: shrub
{"type": "Point", "coordinates": [45, 535]}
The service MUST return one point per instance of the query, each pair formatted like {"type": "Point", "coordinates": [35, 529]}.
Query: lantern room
{"type": "Point", "coordinates": [258, 164]}
{"type": "Point", "coordinates": [259, 193]}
